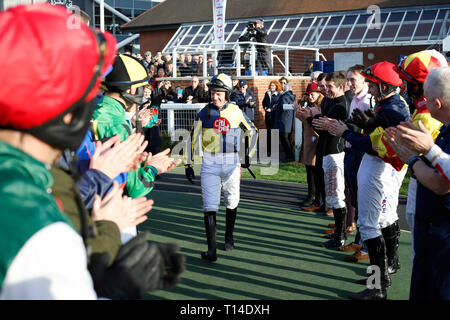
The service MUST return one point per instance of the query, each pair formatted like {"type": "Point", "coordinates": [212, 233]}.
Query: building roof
{"type": "Point", "coordinates": [172, 13]}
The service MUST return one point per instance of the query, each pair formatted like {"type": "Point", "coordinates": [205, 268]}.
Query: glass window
{"type": "Point", "coordinates": [278, 25]}
{"type": "Point", "coordinates": [349, 20]}
{"type": "Point", "coordinates": [268, 24]}
{"type": "Point", "coordinates": [272, 36]}
{"type": "Point", "coordinates": [298, 37]}
{"type": "Point", "coordinates": [341, 35]}
{"type": "Point", "coordinates": [142, 4]}
{"type": "Point", "coordinates": [357, 34]}
{"type": "Point", "coordinates": [312, 34]}
{"type": "Point", "coordinates": [284, 37]}
{"type": "Point", "coordinates": [372, 35]}
{"type": "Point", "coordinates": [406, 31]}
{"type": "Point", "coordinates": [412, 16]}
{"type": "Point", "coordinates": [363, 19]}
{"type": "Point", "coordinates": [327, 35]}
{"type": "Point", "coordinates": [186, 40]}
{"type": "Point", "coordinates": [334, 21]}
{"type": "Point", "coordinates": [122, 4]}
{"type": "Point", "coordinates": [292, 23]}
{"type": "Point", "coordinates": [237, 32]}
{"type": "Point", "coordinates": [374, 32]}
{"type": "Point", "coordinates": [423, 31]}
{"type": "Point", "coordinates": [306, 22]}
{"type": "Point", "coordinates": [396, 16]}
{"type": "Point", "coordinates": [193, 30]}
{"type": "Point", "coordinates": [428, 15]}
{"type": "Point", "coordinates": [229, 27]}
{"type": "Point", "coordinates": [389, 33]}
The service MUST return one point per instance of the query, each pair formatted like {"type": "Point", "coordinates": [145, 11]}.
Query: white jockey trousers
{"type": "Point", "coordinates": [378, 189]}
{"type": "Point", "coordinates": [333, 170]}
{"type": "Point", "coordinates": [221, 172]}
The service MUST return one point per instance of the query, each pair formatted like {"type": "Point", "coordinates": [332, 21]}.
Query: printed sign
{"type": "Point", "coordinates": [221, 125]}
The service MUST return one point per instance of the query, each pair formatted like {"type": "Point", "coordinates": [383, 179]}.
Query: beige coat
{"type": "Point", "coordinates": [309, 140]}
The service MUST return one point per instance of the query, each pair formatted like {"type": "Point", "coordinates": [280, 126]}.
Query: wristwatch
{"type": "Point", "coordinates": [411, 163]}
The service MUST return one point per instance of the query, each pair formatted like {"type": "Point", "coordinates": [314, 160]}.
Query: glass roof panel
{"type": "Point", "coordinates": [341, 35]}
{"type": "Point", "coordinates": [423, 31]}
{"type": "Point", "coordinates": [334, 21]}
{"type": "Point", "coordinates": [306, 22]}
{"type": "Point", "coordinates": [349, 20]}
{"type": "Point", "coordinates": [405, 32]}
{"type": "Point", "coordinates": [292, 23]}
{"type": "Point", "coordinates": [396, 16]}
{"type": "Point", "coordinates": [421, 25]}
{"type": "Point", "coordinates": [327, 35]}
{"type": "Point", "coordinates": [278, 25]}
{"type": "Point", "coordinates": [389, 33]}
{"type": "Point", "coordinates": [428, 15]}
{"type": "Point", "coordinates": [357, 34]}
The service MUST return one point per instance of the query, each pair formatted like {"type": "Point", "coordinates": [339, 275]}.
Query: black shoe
{"type": "Point", "coordinates": [333, 243]}
{"type": "Point", "coordinates": [369, 294]}
{"type": "Point", "coordinates": [377, 254]}
{"type": "Point", "coordinates": [229, 246]}
{"type": "Point", "coordinates": [363, 282]}
{"type": "Point", "coordinates": [307, 202]}
{"type": "Point", "coordinates": [208, 256]}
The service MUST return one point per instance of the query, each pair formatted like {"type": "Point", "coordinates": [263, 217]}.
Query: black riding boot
{"type": "Point", "coordinates": [339, 237]}
{"type": "Point", "coordinates": [311, 187]}
{"type": "Point", "coordinates": [230, 219]}
{"type": "Point", "coordinates": [377, 253]}
{"type": "Point", "coordinates": [391, 235]}
{"type": "Point", "coordinates": [210, 230]}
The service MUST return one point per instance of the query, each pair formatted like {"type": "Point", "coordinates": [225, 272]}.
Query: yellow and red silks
{"type": "Point", "coordinates": [386, 153]}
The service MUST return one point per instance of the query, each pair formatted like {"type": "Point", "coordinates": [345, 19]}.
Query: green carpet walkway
{"type": "Point", "coordinates": [276, 257]}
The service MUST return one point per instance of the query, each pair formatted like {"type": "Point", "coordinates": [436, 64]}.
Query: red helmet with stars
{"type": "Point", "coordinates": [415, 67]}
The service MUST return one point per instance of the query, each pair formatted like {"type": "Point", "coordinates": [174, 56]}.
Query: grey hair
{"type": "Point", "coordinates": [437, 85]}
{"type": "Point", "coordinates": [287, 86]}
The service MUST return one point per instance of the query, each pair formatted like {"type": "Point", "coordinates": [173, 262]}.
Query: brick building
{"type": "Point", "coordinates": [346, 32]}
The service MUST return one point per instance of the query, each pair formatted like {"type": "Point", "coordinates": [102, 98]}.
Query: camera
{"type": "Point", "coordinates": [251, 25]}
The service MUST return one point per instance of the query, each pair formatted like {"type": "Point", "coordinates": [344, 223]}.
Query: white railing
{"type": "Point", "coordinates": [249, 57]}
{"type": "Point", "coordinates": [178, 116]}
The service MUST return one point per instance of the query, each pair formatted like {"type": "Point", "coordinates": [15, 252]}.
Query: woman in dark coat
{"type": "Point", "coordinates": [270, 99]}
{"type": "Point", "coordinates": [284, 121]}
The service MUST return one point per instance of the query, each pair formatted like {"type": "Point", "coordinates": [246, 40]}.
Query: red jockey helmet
{"type": "Point", "coordinates": [383, 73]}
{"type": "Point", "coordinates": [52, 64]}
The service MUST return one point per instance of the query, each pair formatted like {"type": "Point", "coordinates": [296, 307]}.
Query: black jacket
{"type": "Point", "coordinates": [198, 94]}
{"type": "Point", "coordinates": [240, 100]}
{"type": "Point", "coordinates": [336, 108]}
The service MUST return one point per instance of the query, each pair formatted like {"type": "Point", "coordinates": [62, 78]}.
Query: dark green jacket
{"type": "Point", "coordinates": [27, 203]}
{"type": "Point", "coordinates": [109, 120]}
{"type": "Point", "coordinates": [99, 236]}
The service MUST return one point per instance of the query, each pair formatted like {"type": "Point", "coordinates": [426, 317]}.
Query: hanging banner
{"type": "Point", "coordinates": [219, 23]}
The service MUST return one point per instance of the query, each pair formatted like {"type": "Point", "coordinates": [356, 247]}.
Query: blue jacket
{"type": "Point", "coordinates": [240, 100]}
{"type": "Point", "coordinates": [284, 119]}
{"type": "Point", "coordinates": [221, 131]}
{"type": "Point", "coordinates": [393, 109]}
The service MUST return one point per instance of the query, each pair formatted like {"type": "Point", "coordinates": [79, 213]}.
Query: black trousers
{"type": "Point", "coordinates": [319, 180]}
